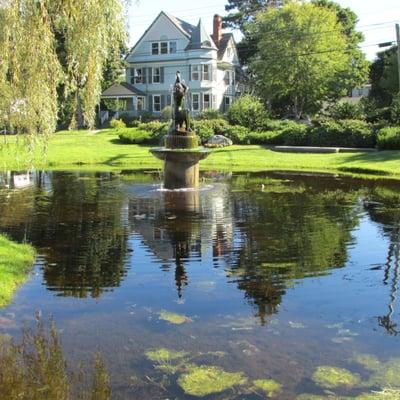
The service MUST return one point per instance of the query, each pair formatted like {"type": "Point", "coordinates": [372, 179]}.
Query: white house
{"type": "Point", "coordinates": [208, 65]}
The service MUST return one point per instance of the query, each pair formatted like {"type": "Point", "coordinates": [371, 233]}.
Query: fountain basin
{"type": "Point", "coordinates": [181, 166]}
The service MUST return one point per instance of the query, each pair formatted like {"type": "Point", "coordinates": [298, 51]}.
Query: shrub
{"type": "Point", "coordinates": [238, 134]}
{"type": "Point", "coordinates": [389, 138]}
{"type": "Point", "coordinates": [166, 113]}
{"type": "Point", "coordinates": [295, 134]}
{"type": "Point", "coordinates": [247, 111]}
{"type": "Point", "coordinates": [153, 126]}
{"type": "Point", "coordinates": [138, 136]}
{"type": "Point", "coordinates": [346, 133]}
{"type": "Point", "coordinates": [267, 137]}
{"type": "Point", "coordinates": [345, 110]}
{"type": "Point", "coordinates": [117, 124]}
{"type": "Point", "coordinates": [208, 127]}
{"type": "Point", "coordinates": [204, 132]}
{"type": "Point", "coordinates": [210, 114]}
{"type": "Point", "coordinates": [395, 110]}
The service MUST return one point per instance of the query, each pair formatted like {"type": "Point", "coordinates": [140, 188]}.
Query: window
{"type": "Point", "coordinates": [227, 77]}
{"type": "Point", "coordinates": [157, 103]}
{"type": "Point", "coordinates": [156, 75]}
{"type": "Point", "coordinates": [138, 75]}
{"type": "Point", "coordinates": [206, 72]}
{"type": "Point", "coordinates": [229, 52]}
{"type": "Point", "coordinates": [195, 102]}
{"type": "Point", "coordinates": [172, 47]}
{"type": "Point", "coordinates": [195, 72]}
{"type": "Point", "coordinates": [140, 103]}
{"type": "Point", "coordinates": [154, 48]}
{"type": "Point", "coordinates": [227, 102]}
{"type": "Point", "coordinates": [206, 101]}
{"type": "Point", "coordinates": [164, 47]}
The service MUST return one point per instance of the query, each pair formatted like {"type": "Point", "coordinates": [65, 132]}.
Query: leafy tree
{"type": "Point", "coordinates": [357, 71]}
{"type": "Point", "coordinates": [29, 68]}
{"type": "Point", "coordinates": [54, 49]}
{"type": "Point", "coordinates": [303, 57]}
{"type": "Point", "coordinates": [241, 12]}
{"type": "Point", "coordinates": [384, 77]}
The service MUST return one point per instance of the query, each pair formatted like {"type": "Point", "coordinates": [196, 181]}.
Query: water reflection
{"type": "Point", "coordinates": [265, 232]}
{"type": "Point", "coordinates": [76, 222]}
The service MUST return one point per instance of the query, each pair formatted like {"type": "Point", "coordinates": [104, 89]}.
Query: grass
{"type": "Point", "coordinates": [15, 263]}
{"type": "Point", "coordinates": [85, 150]}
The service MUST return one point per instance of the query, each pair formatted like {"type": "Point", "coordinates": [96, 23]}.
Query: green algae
{"type": "Point", "coordinates": [203, 380]}
{"type": "Point", "coordinates": [173, 318]}
{"type": "Point", "coordinates": [331, 377]}
{"type": "Point", "coordinates": [269, 386]}
{"type": "Point", "coordinates": [368, 361]}
{"type": "Point", "coordinates": [388, 375]}
{"type": "Point", "coordinates": [168, 361]}
{"type": "Point", "coordinates": [385, 394]}
{"type": "Point", "coordinates": [164, 355]}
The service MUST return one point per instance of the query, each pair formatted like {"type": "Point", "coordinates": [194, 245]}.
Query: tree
{"type": "Point", "coordinates": [53, 54]}
{"type": "Point", "coordinates": [241, 12]}
{"type": "Point", "coordinates": [384, 77]}
{"type": "Point", "coordinates": [29, 68]}
{"type": "Point", "coordinates": [357, 73]}
{"type": "Point", "coordinates": [303, 57]}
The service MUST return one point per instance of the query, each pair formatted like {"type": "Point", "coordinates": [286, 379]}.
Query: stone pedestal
{"type": "Point", "coordinates": [181, 158]}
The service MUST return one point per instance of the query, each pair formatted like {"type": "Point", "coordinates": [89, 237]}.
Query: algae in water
{"type": "Point", "coordinates": [269, 386]}
{"type": "Point", "coordinates": [203, 380]}
{"type": "Point", "coordinates": [173, 318]}
{"type": "Point", "coordinates": [331, 377]}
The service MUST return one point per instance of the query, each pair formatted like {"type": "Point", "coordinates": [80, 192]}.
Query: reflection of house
{"type": "Point", "coordinates": [16, 180]}
{"type": "Point", "coordinates": [207, 63]}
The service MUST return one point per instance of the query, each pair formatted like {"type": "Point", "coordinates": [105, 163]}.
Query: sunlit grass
{"type": "Point", "coordinates": [86, 150]}
{"type": "Point", "coordinates": [15, 263]}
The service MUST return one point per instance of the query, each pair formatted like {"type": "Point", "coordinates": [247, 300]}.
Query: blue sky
{"type": "Point", "coordinates": [377, 18]}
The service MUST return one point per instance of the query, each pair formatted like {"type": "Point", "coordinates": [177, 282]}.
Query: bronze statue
{"type": "Point", "coordinates": [181, 115]}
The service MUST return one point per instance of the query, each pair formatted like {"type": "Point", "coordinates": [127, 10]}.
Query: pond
{"type": "Point", "coordinates": [258, 285]}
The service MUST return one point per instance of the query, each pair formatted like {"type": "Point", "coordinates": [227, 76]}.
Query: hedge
{"type": "Point", "coordinates": [389, 138]}
{"type": "Point", "coordinates": [137, 136]}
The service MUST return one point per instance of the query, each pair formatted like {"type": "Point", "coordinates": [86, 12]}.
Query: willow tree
{"type": "Point", "coordinates": [29, 68]}
{"type": "Point", "coordinates": [91, 32]}
{"type": "Point", "coordinates": [46, 45]}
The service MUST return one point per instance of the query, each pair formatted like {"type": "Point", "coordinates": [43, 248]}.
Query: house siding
{"type": "Point", "coordinates": [164, 29]}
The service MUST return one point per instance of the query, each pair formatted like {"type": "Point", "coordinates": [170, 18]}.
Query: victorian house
{"type": "Point", "coordinates": [208, 64]}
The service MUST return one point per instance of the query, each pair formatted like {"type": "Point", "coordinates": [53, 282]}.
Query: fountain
{"type": "Point", "coordinates": [182, 153]}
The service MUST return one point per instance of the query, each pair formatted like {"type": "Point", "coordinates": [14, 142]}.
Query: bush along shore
{"type": "Point", "coordinates": [15, 264]}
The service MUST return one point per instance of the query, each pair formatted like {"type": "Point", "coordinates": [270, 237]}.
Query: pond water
{"type": "Point", "coordinates": [269, 275]}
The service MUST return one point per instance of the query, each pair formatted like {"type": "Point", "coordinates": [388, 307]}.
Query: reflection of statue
{"type": "Point", "coordinates": [181, 115]}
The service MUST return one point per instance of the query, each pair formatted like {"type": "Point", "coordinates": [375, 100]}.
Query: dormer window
{"type": "Point", "coordinates": [163, 47]}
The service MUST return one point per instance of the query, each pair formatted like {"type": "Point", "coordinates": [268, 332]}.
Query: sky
{"type": "Point", "coordinates": [377, 18]}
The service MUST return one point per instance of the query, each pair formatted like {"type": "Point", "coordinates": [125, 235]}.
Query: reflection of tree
{"type": "Point", "coordinates": [288, 236]}
{"type": "Point", "coordinates": [78, 227]}
{"type": "Point", "coordinates": [384, 209]}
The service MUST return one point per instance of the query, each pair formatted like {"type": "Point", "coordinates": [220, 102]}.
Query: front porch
{"type": "Point", "coordinates": [121, 100]}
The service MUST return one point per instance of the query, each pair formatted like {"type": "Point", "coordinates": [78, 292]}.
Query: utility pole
{"type": "Point", "coordinates": [398, 50]}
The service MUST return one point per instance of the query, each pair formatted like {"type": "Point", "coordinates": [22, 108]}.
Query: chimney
{"type": "Point", "coordinates": [217, 33]}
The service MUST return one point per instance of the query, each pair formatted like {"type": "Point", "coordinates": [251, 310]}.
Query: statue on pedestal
{"type": "Point", "coordinates": [181, 115]}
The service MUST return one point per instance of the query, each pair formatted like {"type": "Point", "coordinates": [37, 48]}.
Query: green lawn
{"type": "Point", "coordinates": [102, 151]}
{"type": "Point", "coordinates": [15, 263]}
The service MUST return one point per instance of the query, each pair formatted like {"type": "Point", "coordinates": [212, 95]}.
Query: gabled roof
{"type": "Point", "coordinates": [223, 44]}
{"type": "Point", "coordinates": [121, 89]}
{"type": "Point", "coordinates": [186, 28]}
{"type": "Point", "coordinates": [201, 39]}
